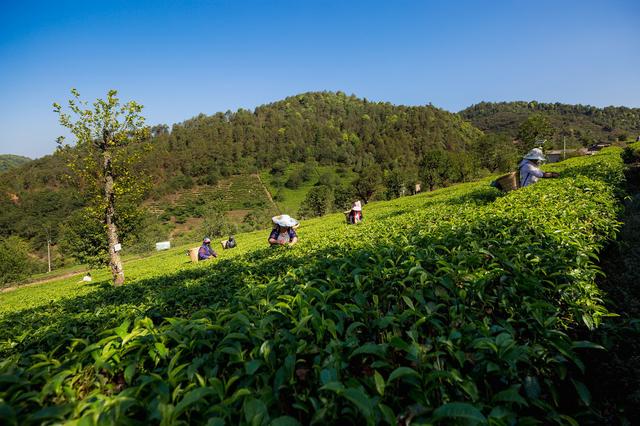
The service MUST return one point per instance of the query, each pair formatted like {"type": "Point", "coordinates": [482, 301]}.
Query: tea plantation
{"type": "Point", "coordinates": [452, 307]}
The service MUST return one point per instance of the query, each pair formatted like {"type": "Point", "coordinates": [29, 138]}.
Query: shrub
{"type": "Point", "coordinates": [278, 168]}
{"type": "Point", "coordinates": [294, 181]}
{"type": "Point", "coordinates": [318, 202]}
{"type": "Point", "coordinates": [15, 262]}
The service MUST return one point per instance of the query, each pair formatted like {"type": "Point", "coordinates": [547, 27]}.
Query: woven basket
{"type": "Point", "coordinates": [508, 182]}
{"type": "Point", "coordinates": [193, 254]}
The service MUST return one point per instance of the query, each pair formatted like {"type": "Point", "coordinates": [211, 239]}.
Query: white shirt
{"type": "Point", "coordinates": [529, 173]}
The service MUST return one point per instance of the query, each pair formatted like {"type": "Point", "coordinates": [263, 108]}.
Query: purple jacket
{"type": "Point", "coordinates": [205, 252]}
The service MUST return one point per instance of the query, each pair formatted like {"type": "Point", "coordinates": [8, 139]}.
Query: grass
{"type": "Point", "coordinates": [292, 198]}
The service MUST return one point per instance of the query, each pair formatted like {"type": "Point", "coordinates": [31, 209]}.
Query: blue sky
{"type": "Point", "coordinates": [181, 58]}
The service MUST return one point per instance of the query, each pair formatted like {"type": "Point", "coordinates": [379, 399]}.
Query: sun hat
{"type": "Point", "coordinates": [206, 240]}
{"type": "Point", "coordinates": [284, 220]}
{"type": "Point", "coordinates": [535, 154]}
{"type": "Point", "coordinates": [357, 206]}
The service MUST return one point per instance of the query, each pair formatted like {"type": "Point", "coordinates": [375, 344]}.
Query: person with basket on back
{"type": "Point", "coordinates": [529, 168]}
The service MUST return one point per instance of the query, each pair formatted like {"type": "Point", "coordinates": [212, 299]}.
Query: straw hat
{"type": "Point", "coordinates": [284, 220]}
{"type": "Point", "coordinates": [535, 154]}
{"type": "Point", "coordinates": [357, 206]}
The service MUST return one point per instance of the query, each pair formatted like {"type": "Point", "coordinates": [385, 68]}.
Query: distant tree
{"type": "Point", "coordinates": [215, 222]}
{"type": "Point", "coordinates": [294, 181]}
{"type": "Point", "coordinates": [329, 178]}
{"type": "Point", "coordinates": [394, 182]}
{"type": "Point", "coordinates": [343, 196]}
{"type": "Point", "coordinates": [318, 202]}
{"type": "Point", "coordinates": [15, 262]}
{"type": "Point", "coordinates": [278, 168]}
{"type": "Point", "coordinates": [496, 153]}
{"type": "Point", "coordinates": [463, 167]}
{"type": "Point", "coordinates": [81, 236]}
{"type": "Point", "coordinates": [105, 157]}
{"type": "Point", "coordinates": [435, 168]}
{"type": "Point", "coordinates": [367, 182]}
{"type": "Point", "coordinates": [308, 170]}
{"type": "Point", "coordinates": [534, 129]}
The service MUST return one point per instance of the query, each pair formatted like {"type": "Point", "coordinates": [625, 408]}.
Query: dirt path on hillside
{"type": "Point", "coordinates": [266, 190]}
{"type": "Point", "coordinates": [42, 281]}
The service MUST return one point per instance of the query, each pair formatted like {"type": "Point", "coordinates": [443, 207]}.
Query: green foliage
{"type": "Point", "coordinates": [534, 131]}
{"type": "Point", "coordinates": [579, 125]}
{"type": "Point", "coordinates": [367, 182]}
{"type": "Point", "coordinates": [295, 180]}
{"type": "Point", "coordinates": [308, 170]}
{"type": "Point", "coordinates": [105, 160]}
{"type": "Point", "coordinates": [278, 168]}
{"type": "Point", "coordinates": [631, 153]}
{"type": "Point", "coordinates": [343, 197]}
{"type": "Point", "coordinates": [15, 262]}
{"type": "Point", "coordinates": [82, 237]}
{"type": "Point", "coordinates": [318, 202]}
{"type": "Point", "coordinates": [496, 153]}
{"type": "Point", "coordinates": [10, 161]}
{"type": "Point", "coordinates": [465, 315]}
{"type": "Point", "coordinates": [320, 129]}
{"type": "Point", "coordinates": [215, 222]}
{"type": "Point", "coordinates": [435, 169]}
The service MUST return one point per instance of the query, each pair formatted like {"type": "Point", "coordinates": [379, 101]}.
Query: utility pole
{"type": "Point", "coordinates": [564, 147]}
{"type": "Point", "coordinates": [49, 253]}
{"type": "Point", "coordinates": [48, 231]}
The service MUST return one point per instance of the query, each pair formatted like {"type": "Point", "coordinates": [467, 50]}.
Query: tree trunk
{"type": "Point", "coordinates": [112, 231]}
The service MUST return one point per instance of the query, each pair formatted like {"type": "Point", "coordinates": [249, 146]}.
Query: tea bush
{"type": "Point", "coordinates": [454, 306]}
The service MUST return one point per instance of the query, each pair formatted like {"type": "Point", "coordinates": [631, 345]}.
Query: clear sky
{"type": "Point", "coordinates": [181, 58]}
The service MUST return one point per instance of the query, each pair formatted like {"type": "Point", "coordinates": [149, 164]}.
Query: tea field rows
{"type": "Point", "coordinates": [452, 306]}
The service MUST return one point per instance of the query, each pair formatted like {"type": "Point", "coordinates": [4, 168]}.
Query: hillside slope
{"type": "Point", "coordinates": [439, 307]}
{"type": "Point", "coordinates": [206, 152]}
{"type": "Point", "coordinates": [9, 161]}
{"type": "Point", "coordinates": [583, 124]}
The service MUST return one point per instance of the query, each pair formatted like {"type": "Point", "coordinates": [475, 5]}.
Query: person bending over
{"type": "Point", "coordinates": [283, 232]}
{"type": "Point", "coordinates": [530, 168]}
{"type": "Point", "coordinates": [205, 251]}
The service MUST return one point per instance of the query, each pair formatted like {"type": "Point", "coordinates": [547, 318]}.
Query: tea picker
{"type": "Point", "coordinates": [528, 172]}
{"type": "Point", "coordinates": [284, 232]}
{"type": "Point", "coordinates": [529, 168]}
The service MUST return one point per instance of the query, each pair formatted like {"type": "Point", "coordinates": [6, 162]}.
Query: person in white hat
{"type": "Point", "coordinates": [355, 215]}
{"type": "Point", "coordinates": [530, 168]}
{"type": "Point", "coordinates": [283, 232]}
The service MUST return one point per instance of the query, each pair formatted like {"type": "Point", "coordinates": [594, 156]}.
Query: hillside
{"type": "Point", "coordinates": [466, 311]}
{"type": "Point", "coordinates": [580, 124]}
{"type": "Point", "coordinates": [202, 154]}
{"type": "Point", "coordinates": [9, 161]}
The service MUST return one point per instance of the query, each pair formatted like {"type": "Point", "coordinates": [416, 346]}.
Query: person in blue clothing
{"type": "Point", "coordinates": [205, 251]}
{"type": "Point", "coordinates": [283, 232]}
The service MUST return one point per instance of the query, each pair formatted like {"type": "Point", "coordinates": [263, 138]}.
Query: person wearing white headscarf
{"type": "Point", "coordinates": [530, 168]}
{"type": "Point", "coordinates": [355, 214]}
{"type": "Point", "coordinates": [283, 232]}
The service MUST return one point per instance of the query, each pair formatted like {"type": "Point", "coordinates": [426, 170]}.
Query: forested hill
{"type": "Point", "coordinates": [583, 124]}
{"type": "Point", "coordinates": [324, 130]}
{"type": "Point", "coordinates": [330, 128]}
{"type": "Point", "coordinates": [9, 161]}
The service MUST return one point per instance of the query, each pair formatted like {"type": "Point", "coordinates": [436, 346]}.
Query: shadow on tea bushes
{"type": "Point", "coordinates": [462, 316]}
